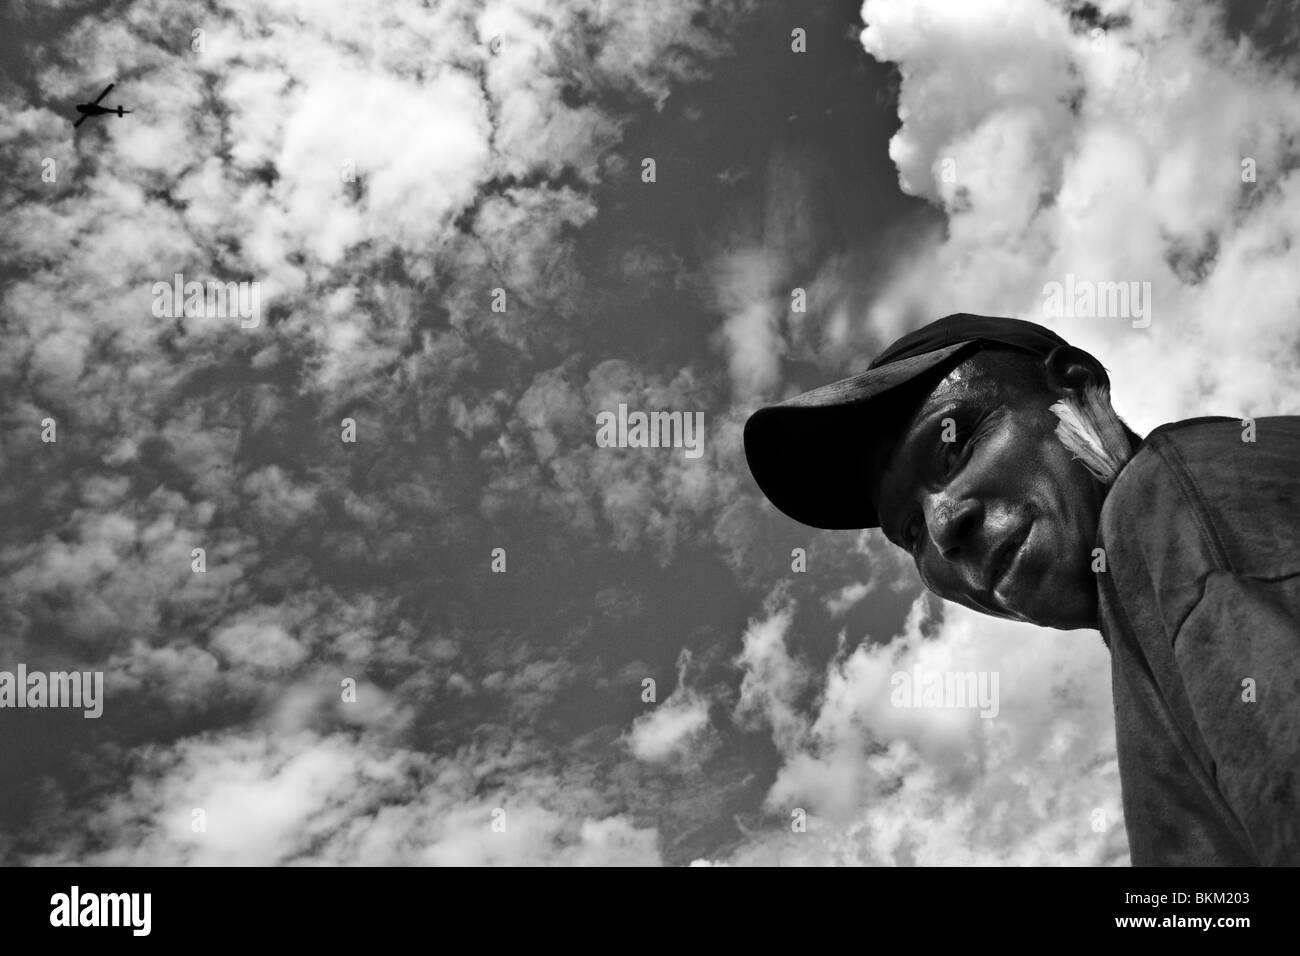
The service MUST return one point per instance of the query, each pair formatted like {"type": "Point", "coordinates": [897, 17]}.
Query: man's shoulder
{"type": "Point", "coordinates": [1148, 473]}
{"type": "Point", "coordinates": [1204, 446]}
{"type": "Point", "coordinates": [1194, 437]}
{"type": "Point", "coordinates": [1225, 474]}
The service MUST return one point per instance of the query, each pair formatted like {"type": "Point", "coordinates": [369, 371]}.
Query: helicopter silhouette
{"type": "Point", "coordinates": [87, 110]}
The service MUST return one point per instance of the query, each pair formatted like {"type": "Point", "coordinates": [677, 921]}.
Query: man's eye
{"type": "Point", "coordinates": [953, 450]}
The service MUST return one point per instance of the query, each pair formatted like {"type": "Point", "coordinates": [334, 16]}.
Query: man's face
{"type": "Point", "coordinates": [1002, 519]}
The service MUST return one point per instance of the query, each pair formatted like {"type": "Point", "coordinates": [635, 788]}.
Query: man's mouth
{"type": "Point", "coordinates": [1004, 558]}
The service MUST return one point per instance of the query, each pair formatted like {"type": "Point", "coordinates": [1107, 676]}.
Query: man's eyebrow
{"type": "Point", "coordinates": [929, 423]}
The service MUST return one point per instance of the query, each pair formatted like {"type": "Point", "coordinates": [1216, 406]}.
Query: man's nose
{"type": "Point", "coordinates": [952, 522]}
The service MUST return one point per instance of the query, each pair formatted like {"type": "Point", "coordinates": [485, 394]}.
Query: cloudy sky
{"type": "Point", "coordinates": [500, 146]}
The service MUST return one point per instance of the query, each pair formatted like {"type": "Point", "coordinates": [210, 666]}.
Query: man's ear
{"type": "Point", "coordinates": [1071, 370]}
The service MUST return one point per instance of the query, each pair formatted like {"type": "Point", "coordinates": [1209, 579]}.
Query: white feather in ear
{"type": "Point", "coordinates": [1092, 432]}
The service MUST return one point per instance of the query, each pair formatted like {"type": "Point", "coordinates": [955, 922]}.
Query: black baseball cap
{"type": "Point", "coordinates": [809, 454]}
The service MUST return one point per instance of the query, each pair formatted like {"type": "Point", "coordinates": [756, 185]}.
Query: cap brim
{"type": "Point", "coordinates": [811, 454]}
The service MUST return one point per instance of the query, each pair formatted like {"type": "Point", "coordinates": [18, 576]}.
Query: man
{"type": "Point", "coordinates": [987, 448]}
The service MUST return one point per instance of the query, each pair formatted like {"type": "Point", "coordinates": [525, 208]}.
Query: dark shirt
{"type": "Point", "coordinates": [1201, 599]}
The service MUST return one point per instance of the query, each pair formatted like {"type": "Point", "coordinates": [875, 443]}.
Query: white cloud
{"type": "Point", "coordinates": [1115, 158]}
{"type": "Point", "coordinates": [282, 798]}
{"type": "Point", "coordinates": [884, 784]}
{"type": "Point", "coordinates": [847, 597]}
{"type": "Point", "coordinates": [259, 642]}
{"type": "Point", "coordinates": [669, 728]}
{"type": "Point", "coordinates": [675, 727]}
